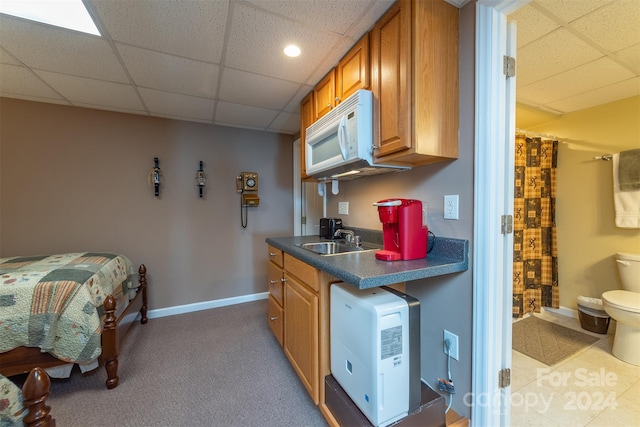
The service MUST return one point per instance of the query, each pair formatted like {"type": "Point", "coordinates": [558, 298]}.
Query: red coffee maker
{"type": "Point", "coordinates": [403, 233]}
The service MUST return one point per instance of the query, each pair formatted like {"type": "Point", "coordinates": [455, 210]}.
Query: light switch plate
{"type": "Point", "coordinates": [343, 208]}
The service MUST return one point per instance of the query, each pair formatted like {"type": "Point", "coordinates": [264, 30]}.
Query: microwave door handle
{"type": "Point", "coordinates": [342, 137]}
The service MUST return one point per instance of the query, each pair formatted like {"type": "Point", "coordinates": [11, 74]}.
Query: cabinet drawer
{"type": "Point", "coordinates": [275, 255]}
{"type": "Point", "coordinates": [275, 319]}
{"type": "Point", "coordinates": [275, 282]}
{"type": "Point", "coordinates": [303, 272]}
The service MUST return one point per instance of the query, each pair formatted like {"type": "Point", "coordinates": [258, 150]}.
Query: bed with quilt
{"type": "Point", "coordinates": [65, 309]}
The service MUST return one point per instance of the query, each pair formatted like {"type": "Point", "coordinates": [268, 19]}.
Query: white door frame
{"type": "Point", "coordinates": [493, 194]}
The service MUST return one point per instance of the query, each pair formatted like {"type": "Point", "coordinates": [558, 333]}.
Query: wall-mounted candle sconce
{"type": "Point", "coordinates": [201, 179]}
{"type": "Point", "coordinates": [154, 176]}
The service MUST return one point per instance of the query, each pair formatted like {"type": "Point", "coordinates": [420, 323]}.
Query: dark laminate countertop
{"type": "Point", "coordinates": [364, 271]}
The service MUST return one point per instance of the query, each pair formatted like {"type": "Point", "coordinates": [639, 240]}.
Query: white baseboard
{"type": "Point", "coordinates": [565, 311]}
{"type": "Point", "coordinates": [205, 305]}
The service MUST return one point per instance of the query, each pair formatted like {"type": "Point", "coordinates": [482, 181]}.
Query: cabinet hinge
{"type": "Point", "coordinates": [504, 378]}
{"type": "Point", "coordinates": [506, 223]}
{"type": "Point", "coordinates": [508, 66]}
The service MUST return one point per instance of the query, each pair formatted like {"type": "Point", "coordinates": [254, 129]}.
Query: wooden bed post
{"type": "Point", "coordinates": [34, 393]}
{"type": "Point", "coordinates": [142, 271]}
{"type": "Point", "coordinates": [110, 343]}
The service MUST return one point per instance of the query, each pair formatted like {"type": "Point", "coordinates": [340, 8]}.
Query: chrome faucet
{"type": "Point", "coordinates": [350, 236]}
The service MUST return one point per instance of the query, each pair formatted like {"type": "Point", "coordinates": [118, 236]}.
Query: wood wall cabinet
{"type": "Point", "coordinates": [414, 79]}
{"type": "Point", "coordinates": [275, 308]}
{"type": "Point", "coordinates": [352, 73]}
{"type": "Point", "coordinates": [307, 117]}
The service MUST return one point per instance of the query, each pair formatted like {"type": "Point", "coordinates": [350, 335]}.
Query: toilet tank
{"type": "Point", "coordinates": [629, 269]}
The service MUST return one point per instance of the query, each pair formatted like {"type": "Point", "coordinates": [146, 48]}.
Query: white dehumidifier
{"type": "Point", "coordinates": [375, 350]}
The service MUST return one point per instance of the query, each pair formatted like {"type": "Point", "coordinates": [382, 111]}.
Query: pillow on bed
{"type": "Point", "coordinates": [11, 411]}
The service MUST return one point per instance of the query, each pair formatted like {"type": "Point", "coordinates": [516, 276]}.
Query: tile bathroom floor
{"type": "Point", "coordinates": [590, 388]}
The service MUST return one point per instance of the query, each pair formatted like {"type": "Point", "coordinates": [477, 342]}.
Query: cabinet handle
{"type": "Point", "coordinates": [337, 99]}
{"type": "Point", "coordinates": [273, 318]}
{"type": "Point", "coordinates": [272, 254]}
{"type": "Point", "coordinates": [329, 106]}
{"type": "Point", "coordinates": [283, 280]}
{"type": "Point", "coordinates": [273, 282]}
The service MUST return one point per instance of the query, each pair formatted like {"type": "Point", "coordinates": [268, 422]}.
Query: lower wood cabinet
{"type": "Point", "coordinates": [276, 319]}
{"type": "Point", "coordinates": [301, 333]}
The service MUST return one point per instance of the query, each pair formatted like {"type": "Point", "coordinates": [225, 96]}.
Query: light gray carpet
{"type": "Point", "coordinates": [547, 342]}
{"type": "Point", "coordinates": [219, 367]}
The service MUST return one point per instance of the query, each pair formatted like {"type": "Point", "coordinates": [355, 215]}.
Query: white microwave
{"type": "Point", "coordinates": [340, 144]}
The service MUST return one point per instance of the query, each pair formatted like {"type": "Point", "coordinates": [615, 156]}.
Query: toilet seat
{"type": "Point", "coordinates": [623, 300]}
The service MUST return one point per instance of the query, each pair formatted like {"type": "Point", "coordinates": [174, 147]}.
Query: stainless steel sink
{"type": "Point", "coordinates": [336, 247]}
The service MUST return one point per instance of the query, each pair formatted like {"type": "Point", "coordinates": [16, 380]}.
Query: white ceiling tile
{"type": "Point", "coordinates": [286, 123]}
{"type": "Point", "coordinates": [372, 15]}
{"type": "Point", "coordinates": [94, 92]}
{"type": "Point", "coordinates": [542, 58]}
{"type": "Point", "coordinates": [48, 48]}
{"type": "Point", "coordinates": [18, 80]}
{"type": "Point", "coordinates": [573, 9]}
{"type": "Point", "coordinates": [170, 73]}
{"type": "Point", "coordinates": [294, 104]}
{"type": "Point", "coordinates": [260, 49]}
{"type": "Point", "coordinates": [615, 26]}
{"type": "Point", "coordinates": [531, 24]}
{"type": "Point", "coordinates": [242, 115]}
{"type": "Point", "coordinates": [602, 95]}
{"type": "Point", "coordinates": [330, 15]}
{"type": "Point", "coordinates": [575, 81]}
{"type": "Point", "coordinates": [245, 88]}
{"type": "Point", "coordinates": [6, 58]}
{"type": "Point", "coordinates": [194, 29]}
{"type": "Point", "coordinates": [177, 105]}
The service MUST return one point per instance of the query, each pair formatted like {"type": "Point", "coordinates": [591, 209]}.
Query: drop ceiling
{"type": "Point", "coordinates": [577, 54]}
{"type": "Point", "coordinates": [221, 61]}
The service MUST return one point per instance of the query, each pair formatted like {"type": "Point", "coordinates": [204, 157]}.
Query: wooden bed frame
{"type": "Point", "coordinates": [23, 359]}
{"type": "Point", "coordinates": [34, 393]}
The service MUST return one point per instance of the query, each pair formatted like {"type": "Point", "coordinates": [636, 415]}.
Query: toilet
{"type": "Point", "coordinates": [624, 307]}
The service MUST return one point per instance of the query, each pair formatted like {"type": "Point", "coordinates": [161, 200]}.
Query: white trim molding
{"type": "Point", "coordinates": [205, 305]}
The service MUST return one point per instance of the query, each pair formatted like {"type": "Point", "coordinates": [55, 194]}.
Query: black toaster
{"type": "Point", "coordinates": [329, 226]}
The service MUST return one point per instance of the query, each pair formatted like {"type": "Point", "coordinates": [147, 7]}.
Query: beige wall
{"type": "Point", "coordinates": [75, 179]}
{"type": "Point", "coordinates": [586, 232]}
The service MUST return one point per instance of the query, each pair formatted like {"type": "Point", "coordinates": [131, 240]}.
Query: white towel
{"type": "Point", "coordinates": [626, 203]}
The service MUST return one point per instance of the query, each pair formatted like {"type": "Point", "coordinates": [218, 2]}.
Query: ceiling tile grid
{"type": "Point", "coordinates": [93, 92]}
{"type": "Point", "coordinates": [193, 29]}
{"type": "Point", "coordinates": [577, 54]}
{"type": "Point", "coordinates": [169, 72]}
{"type": "Point", "coordinates": [221, 61]}
{"type": "Point", "coordinates": [19, 80]}
{"type": "Point", "coordinates": [44, 47]}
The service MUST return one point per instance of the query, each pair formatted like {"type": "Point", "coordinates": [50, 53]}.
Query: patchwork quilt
{"type": "Point", "coordinates": [55, 302]}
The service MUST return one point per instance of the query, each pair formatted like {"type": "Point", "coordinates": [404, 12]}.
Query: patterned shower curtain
{"type": "Point", "coordinates": [535, 255]}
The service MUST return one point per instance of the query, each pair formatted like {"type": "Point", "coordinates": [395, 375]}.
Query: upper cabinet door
{"type": "Point", "coordinates": [414, 79]}
{"type": "Point", "coordinates": [307, 116]}
{"type": "Point", "coordinates": [352, 72]}
{"type": "Point", "coordinates": [324, 94]}
{"type": "Point", "coordinates": [390, 79]}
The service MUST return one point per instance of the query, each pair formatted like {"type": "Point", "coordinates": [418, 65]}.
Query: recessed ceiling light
{"type": "Point", "coordinates": [292, 51]}
{"type": "Point", "coordinates": [70, 14]}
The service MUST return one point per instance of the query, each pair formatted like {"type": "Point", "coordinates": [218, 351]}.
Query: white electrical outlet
{"type": "Point", "coordinates": [453, 339]}
{"type": "Point", "coordinates": [451, 207]}
{"type": "Point", "coordinates": [343, 208]}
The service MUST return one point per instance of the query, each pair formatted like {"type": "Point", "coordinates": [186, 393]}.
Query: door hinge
{"type": "Point", "coordinates": [508, 66]}
{"type": "Point", "coordinates": [504, 378]}
{"type": "Point", "coordinates": [506, 222]}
